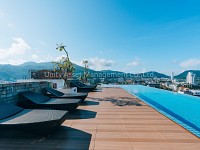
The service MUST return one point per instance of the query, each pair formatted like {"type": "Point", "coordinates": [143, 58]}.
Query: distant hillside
{"type": "Point", "coordinates": [153, 74]}
{"type": "Point", "coordinates": [11, 72]}
{"type": "Point", "coordinates": [184, 74]}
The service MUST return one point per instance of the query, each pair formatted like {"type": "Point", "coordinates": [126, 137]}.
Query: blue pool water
{"type": "Point", "coordinates": [183, 109]}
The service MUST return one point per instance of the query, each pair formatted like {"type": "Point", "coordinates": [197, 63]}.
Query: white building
{"type": "Point", "coordinates": [196, 92]}
{"type": "Point", "coordinates": [120, 80]}
{"type": "Point", "coordinates": [172, 76]}
{"type": "Point", "coordinates": [190, 78]}
{"type": "Point", "coordinates": [173, 87]}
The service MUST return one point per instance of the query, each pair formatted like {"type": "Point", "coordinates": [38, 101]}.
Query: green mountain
{"type": "Point", "coordinates": [184, 74]}
{"type": "Point", "coordinates": [12, 72]}
{"type": "Point", "coordinates": [153, 74]}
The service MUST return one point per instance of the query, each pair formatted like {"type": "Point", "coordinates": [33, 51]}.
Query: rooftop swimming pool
{"type": "Point", "coordinates": [183, 109]}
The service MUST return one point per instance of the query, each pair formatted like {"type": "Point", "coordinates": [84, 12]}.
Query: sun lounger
{"type": "Point", "coordinates": [37, 121]}
{"type": "Point", "coordinates": [85, 85]}
{"type": "Point", "coordinates": [39, 101]}
{"type": "Point", "coordinates": [81, 88]}
{"type": "Point", "coordinates": [58, 94]}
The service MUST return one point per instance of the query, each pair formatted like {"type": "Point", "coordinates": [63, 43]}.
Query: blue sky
{"type": "Point", "coordinates": [130, 36]}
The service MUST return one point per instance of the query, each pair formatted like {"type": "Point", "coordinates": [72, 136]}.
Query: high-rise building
{"type": "Point", "coordinates": [190, 78]}
{"type": "Point", "coordinates": [172, 76]}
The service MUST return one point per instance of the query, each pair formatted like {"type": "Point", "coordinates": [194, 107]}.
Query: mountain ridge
{"type": "Point", "coordinates": [184, 74]}
{"type": "Point", "coordinates": [12, 72]}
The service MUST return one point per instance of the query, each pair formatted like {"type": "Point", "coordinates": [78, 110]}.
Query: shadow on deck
{"type": "Point", "coordinates": [63, 138]}
{"type": "Point", "coordinates": [87, 103]}
{"type": "Point", "coordinates": [82, 114]}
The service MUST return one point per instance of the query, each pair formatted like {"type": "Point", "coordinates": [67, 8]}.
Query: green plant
{"type": "Point", "coordinates": [86, 74]}
{"type": "Point", "coordinates": [64, 66]}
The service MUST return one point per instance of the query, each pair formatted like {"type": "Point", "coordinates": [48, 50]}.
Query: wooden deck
{"type": "Point", "coordinates": [111, 119]}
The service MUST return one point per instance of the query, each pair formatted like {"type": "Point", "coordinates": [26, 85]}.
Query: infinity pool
{"type": "Point", "coordinates": [183, 109]}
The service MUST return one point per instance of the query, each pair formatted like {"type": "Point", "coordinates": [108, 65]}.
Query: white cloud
{"type": "Point", "coordinates": [18, 47]}
{"type": "Point", "coordinates": [20, 52]}
{"type": "Point", "coordinates": [35, 56]}
{"type": "Point", "coordinates": [190, 63]}
{"type": "Point", "coordinates": [46, 58]}
{"type": "Point", "coordinates": [97, 63]}
{"type": "Point", "coordinates": [20, 60]}
{"type": "Point", "coordinates": [135, 62]}
{"type": "Point", "coordinates": [59, 57]}
{"type": "Point", "coordinates": [77, 62]}
{"type": "Point", "coordinates": [100, 63]}
{"type": "Point", "coordinates": [13, 61]}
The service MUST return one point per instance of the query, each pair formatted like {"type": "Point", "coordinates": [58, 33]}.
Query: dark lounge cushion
{"type": "Point", "coordinates": [7, 110]}
{"type": "Point", "coordinates": [35, 97]}
{"type": "Point", "coordinates": [55, 92]}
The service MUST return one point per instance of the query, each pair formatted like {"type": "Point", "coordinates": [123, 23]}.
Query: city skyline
{"type": "Point", "coordinates": [128, 36]}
